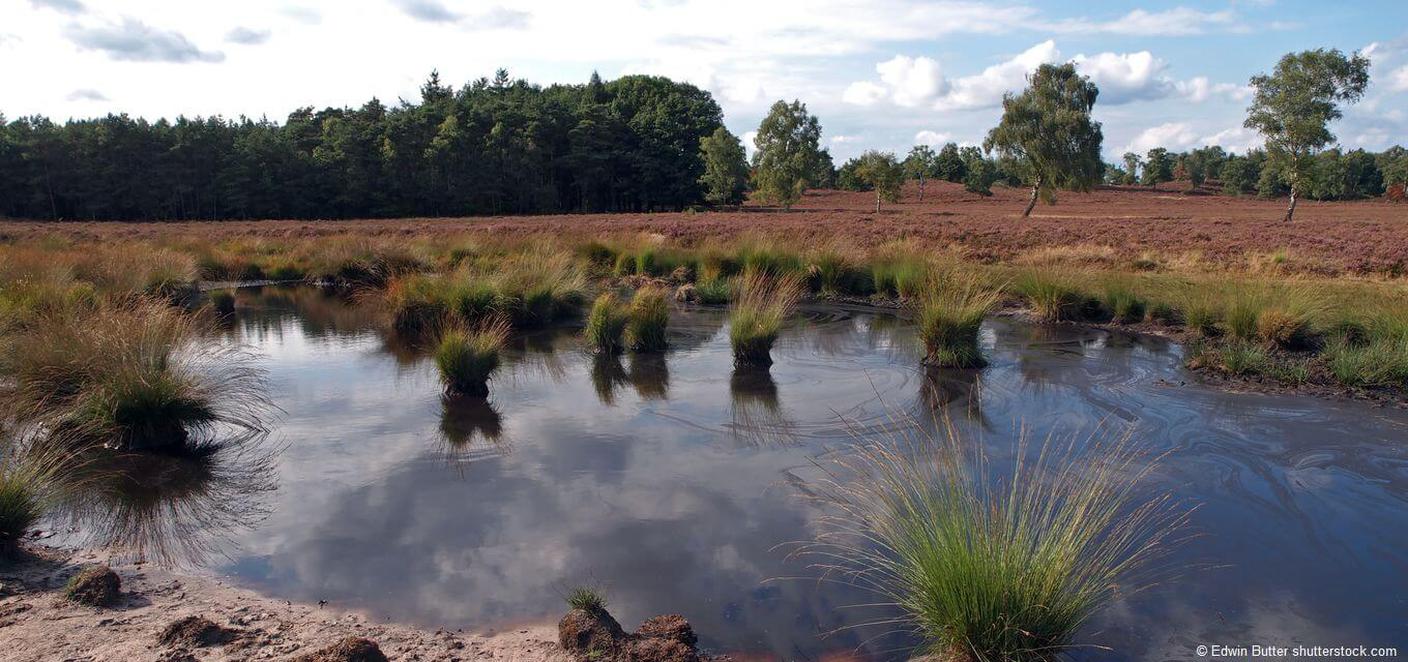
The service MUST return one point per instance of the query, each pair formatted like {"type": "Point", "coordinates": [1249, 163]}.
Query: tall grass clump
{"type": "Point", "coordinates": [1124, 306]}
{"type": "Point", "coordinates": [762, 304]}
{"type": "Point", "coordinates": [647, 320]}
{"type": "Point", "coordinates": [21, 498]}
{"type": "Point", "coordinates": [1377, 362]}
{"type": "Point", "coordinates": [467, 358]}
{"type": "Point", "coordinates": [417, 303]}
{"type": "Point", "coordinates": [1050, 299]}
{"type": "Point", "coordinates": [587, 599]}
{"type": "Point", "coordinates": [991, 563]}
{"type": "Point", "coordinates": [137, 375]}
{"type": "Point", "coordinates": [606, 323]}
{"type": "Point", "coordinates": [949, 313]}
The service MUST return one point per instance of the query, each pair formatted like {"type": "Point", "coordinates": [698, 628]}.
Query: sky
{"type": "Point", "coordinates": [880, 74]}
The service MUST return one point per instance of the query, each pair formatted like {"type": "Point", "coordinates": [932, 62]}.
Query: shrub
{"type": "Point", "coordinates": [949, 314]}
{"type": "Point", "coordinates": [647, 320]}
{"type": "Point", "coordinates": [989, 564]}
{"type": "Point", "coordinates": [763, 303]}
{"type": "Point", "coordinates": [605, 325]}
{"type": "Point", "coordinates": [467, 359]}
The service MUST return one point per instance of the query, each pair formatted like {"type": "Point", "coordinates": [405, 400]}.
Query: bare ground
{"type": "Point", "coordinates": [37, 623]}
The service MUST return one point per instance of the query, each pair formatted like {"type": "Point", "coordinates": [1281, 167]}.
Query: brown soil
{"type": "Point", "coordinates": [1358, 237]}
{"type": "Point", "coordinates": [162, 615]}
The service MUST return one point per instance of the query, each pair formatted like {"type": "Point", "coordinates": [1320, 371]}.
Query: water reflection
{"type": "Point", "coordinates": [630, 471]}
{"type": "Point", "coordinates": [178, 510]}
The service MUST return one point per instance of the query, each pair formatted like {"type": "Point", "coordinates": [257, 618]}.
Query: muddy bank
{"type": "Point", "coordinates": [169, 616]}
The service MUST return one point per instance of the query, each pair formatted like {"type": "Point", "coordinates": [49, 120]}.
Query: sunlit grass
{"type": "Point", "coordinates": [949, 312]}
{"type": "Point", "coordinates": [762, 305]}
{"type": "Point", "coordinates": [468, 358]}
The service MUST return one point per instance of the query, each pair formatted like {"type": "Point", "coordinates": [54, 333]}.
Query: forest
{"type": "Point", "coordinates": [497, 146]}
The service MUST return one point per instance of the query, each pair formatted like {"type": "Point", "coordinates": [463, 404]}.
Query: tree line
{"type": "Point", "coordinates": [497, 146]}
{"type": "Point", "coordinates": [641, 143]}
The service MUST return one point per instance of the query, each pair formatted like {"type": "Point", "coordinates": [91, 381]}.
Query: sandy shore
{"type": "Point", "coordinates": [38, 623]}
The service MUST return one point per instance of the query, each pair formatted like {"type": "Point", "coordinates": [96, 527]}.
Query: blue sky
{"type": "Point", "coordinates": [880, 74]}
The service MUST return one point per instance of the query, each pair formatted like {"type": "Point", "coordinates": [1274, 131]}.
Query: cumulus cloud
{"type": "Point", "coordinates": [912, 81]}
{"type": "Point", "coordinates": [134, 41]}
{"type": "Point", "coordinates": [1182, 136]}
{"type": "Point", "coordinates": [247, 36]}
{"type": "Point", "coordinates": [434, 11]}
{"type": "Point", "coordinates": [304, 15]}
{"type": "Point", "coordinates": [933, 138]}
{"type": "Point", "coordinates": [1398, 80]}
{"type": "Point", "coordinates": [500, 18]}
{"type": "Point", "coordinates": [86, 95]}
{"type": "Point", "coordinates": [985, 90]}
{"type": "Point", "coordinates": [63, 6]}
{"type": "Point", "coordinates": [1122, 78]}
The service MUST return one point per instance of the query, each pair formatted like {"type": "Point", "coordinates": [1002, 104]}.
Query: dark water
{"type": "Point", "coordinates": [671, 481]}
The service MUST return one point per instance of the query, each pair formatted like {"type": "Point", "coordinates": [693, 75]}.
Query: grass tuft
{"type": "Point", "coordinates": [605, 325]}
{"type": "Point", "coordinates": [647, 320]}
{"type": "Point", "coordinates": [763, 303]}
{"type": "Point", "coordinates": [587, 599]}
{"type": "Point", "coordinates": [991, 564]}
{"type": "Point", "coordinates": [467, 358]}
{"type": "Point", "coordinates": [949, 313]}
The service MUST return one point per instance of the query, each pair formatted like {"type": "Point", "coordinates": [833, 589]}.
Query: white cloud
{"type": "Point", "coordinates": [912, 81]}
{"type": "Point", "coordinates": [1179, 21]}
{"type": "Point", "coordinates": [1126, 77]}
{"type": "Point", "coordinates": [1199, 89]}
{"type": "Point", "coordinates": [842, 140]}
{"type": "Point", "coordinates": [1173, 136]}
{"type": "Point", "coordinates": [985, 90]}
{"type": "Point", "coordinates": [864, 93]}
{"type": "Point", "coordinates": [1236, 139]}
{"type": "Point", "coordinates": [1398, 80]}
{"type": "Point", "coordinates": [933, 138]}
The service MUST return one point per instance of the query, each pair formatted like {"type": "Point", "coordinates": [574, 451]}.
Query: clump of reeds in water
{"type": "Point", "coordinates": [949, 312]}
{"type": "Point", "coordinates": [134, 375]}
{"type": "Point", "coordinates": [762, 305]}
{"type": "Point", "coordinates": [468, 357]}
{"type": "Point", "coordinates": [606, 325]}
{"type": "Point", "coordinates": [647, 320]}
{"type": "Point", "coordinates": [990, 564]}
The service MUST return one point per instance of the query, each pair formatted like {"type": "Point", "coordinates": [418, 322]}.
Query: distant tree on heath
{"type": "Point", "coordinates": [1294, 105]}
{"type": "Point", "coordinates": [1237, 176]}
{"type": "Point", "coordinates": [848, 177]}
{"type": "Point", "coordinates": [949, 166]}
{"type": "Point", "coordinates": [1048, 131]}
{"type": "Point", "coordinates": [978, 172]}
{"type": "Point", "coordinates": [1132, 163]}
{"type": "Point", "coordinates": [787, 150]}
{"type": "Point", "coordinates": [725, 168]}
{"type": "Point", "coordinates": [1158, 167]}
{"type": "Point", "coordinates": [823, 171]}
{"type": "Point", "coordinates": [919, 165]}
{"type": "Point", "coordinates": [884, 174]}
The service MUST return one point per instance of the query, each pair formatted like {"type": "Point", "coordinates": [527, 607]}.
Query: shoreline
{"type": "Point", "coordinates": [38, 623]}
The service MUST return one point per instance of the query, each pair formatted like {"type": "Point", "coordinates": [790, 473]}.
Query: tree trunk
{"type": "Point", "coordinates": [921, 188]}
{"type": "Point", "coordinates": [877, 200]}
{"type": "Point", "coordinates": [1291, 208]}
{"type": "Point", "coordinates": [1032, 203]}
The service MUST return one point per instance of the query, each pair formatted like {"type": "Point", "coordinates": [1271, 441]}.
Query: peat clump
{"type": "Point", "coordinates": [197, 632]}
{"type": "Point", "coordinates": [351, 649]}
{"type": "Point", "coordinates": [593, 634]}
{"type": "Point", "coordinates": [95, 586]}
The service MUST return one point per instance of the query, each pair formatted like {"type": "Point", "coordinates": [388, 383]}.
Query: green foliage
{"type": "Point", "coordinates": [1158, 167]}
{"type": "Point", "coordinates": [20, 502]}
{"type": "Point", "coordinates": [1294, 105]}
{"type": "Point", "coordinates": [1379, 362]}
{"type": "Point", "coordinates": [725, 168]}
{"type": "Point", "coordinates": [503, 147]}
{"type": "Point", "coordinates": [788, 149]}
{"type": "Point", "coordinates": [647, 320]}
{"type": "Point", "coordinates": [1051, 299]}
{"type": "Point", "coordinates": [1124, 305]}
{"type": "Point", "coordinates": [882, 173]}
{"type": "Point", "coordinates": [988, 563]}
{"type": "Point", "coordinates": [978, 172]}
{"type": "Point", "coordinates": [713, 291]}
{"type": "Point", "coordinates": [605, 325]}
{"type": "Point", "coordinates": [1048, 130]}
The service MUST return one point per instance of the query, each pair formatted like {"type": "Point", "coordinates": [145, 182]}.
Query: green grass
{"type": "Point", "coordinates": [1124, 305]}
{"type": "Point", "coordinates": [467, 358]}
{"type": "Point", "coordinates": [833, 274]}
{"type": "Point", "coordinates": [898, 277]}
{"type": "Point", "coordinates": [606, 323]}
{"type": "Point", "coordinates": [587, 599]}
{"type": "Point", "coordinates": [647, 320]}
{"type": "Point", "coordinates": [763, 303]}
{"type": "Point", "coordinates": [20, 503]}
{"type": "Point", "coordinates": [1381, 362]}
{"type": "Point", "coordinates": [991, 563]}
{"type": "Point", "coordinates": [1051, 300]}
{"type": "Point", "coordinates": [714, 291]}
{"type": "Point", "coordinates": [949, 313]}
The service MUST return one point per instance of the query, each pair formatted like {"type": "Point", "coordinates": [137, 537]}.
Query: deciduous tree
{"type": "Point", "coordinates": [884, 174]}
{"type": "Point", "coordinates": [787, 151]}
{"type": "Point", "coordinates": [725, 168]}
